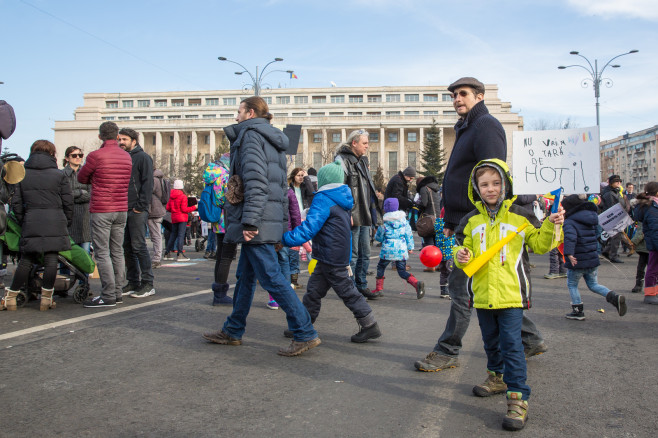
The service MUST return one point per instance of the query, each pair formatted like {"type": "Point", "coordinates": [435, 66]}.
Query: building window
{"type": "Point", "coordinates": [412, 136]}
{"type": "Point", "coordinates": [229, 101]}
{"type": "Point", "coordinates": [430, 97]}
{"type": "Point", "coordinates": [337, 99]}
{"type": "Point", "coordinates": [124, 118]}
{"type": "Point", "coordinates": [317, 138]}
{"type": "Point", "coordinates": [299, 114]}
{"type": "Point", "coordinates": [392, 113]}
{"type": "Point", "coordinates": [411, 159]}
{"type": "Point", "coordinates": [392, 98]}
{"type": "Point", "coordinates": [374, 162]}
{"type": "Point", "coordinates": [317, 160]}
{"type": "Point", "coordinates": [431, 113]}
{"type": "Point", "coordinates": [177, 102]}
{"type": "Point", "coordinates": [161, 102]}
{"type": "Point", "coordinates": [143, 103]}
{"type": "Point", "coordinates": [356, 99]}
{"type": "Point", "coordinates": [153, 140]}
{"type": "Point", "coordinates": [206, 139]}
{"type": "Point", "coordinates": [127, 103]}
{"type": "Point", "coordinates": [157, 117]}
{"type": "Point", "coordinates": [112, 104]}
{"type": "Point", "coordinates": [411, 113]}
{"type": "Point", "coordinates": [140, 118]}
{"type": "Point", "coordinates": [212, 101]}
{"type": "Point", "coordinates": [392, 137]}
{"type": "Point", "coordinates": [172, 164]}
{"type": "Point", "coordinates": [107, 118]}
{"type": "Point", "coordinates": [319, 99]}
{"type": "Point", "coordinates": [224, 116]}
{"type": "Point", "coordinates": [191, 116]}
{"type": "Point", "coordinates": [392, 163]}
{"type": "Point", "coordinates": [194, 102]}
{"type": "Point", "coordinates": [209, 116]}
{"type": "Point", "coordinates": [317, 114]}
{"type": "Point", "coordinates": [301, 99]}
{"type": "Point", "coordinates": [189, 141]}
{"type": "Point", "coordinates": [374, 113]}
{"type": "Point", "coordinates": [374, 136]}
{"type": "Point", "coordinates": [173, 117]}
{"type": "Point", "coordinates": [411, 98]}
{"type": "Point", "coordinates": [446, 97]}
{"type": "Point", "coordinates": [268, 100]}
{"type": "Point", "coordinates": [280, 114]}
{"type": "Point", "coordinates": [335, 137]}
{"type": "Point", "coordinates": [171, 140]}
{"type": "Point", "coordinates": [375, 98]}
{"type": "Point", "coordinates": [354, 113]}
{"type": "Point", "coordinates": [336, 114]}
{"type": "Point", "coordinates": [283, 100]}
{"type": "Point", "coordinates": [449, 113]}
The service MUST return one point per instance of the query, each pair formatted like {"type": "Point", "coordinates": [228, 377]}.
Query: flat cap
{"type": "Point", "coordinates": [467, 82]}
{"type": "Point", "coordinates": [614, 178]}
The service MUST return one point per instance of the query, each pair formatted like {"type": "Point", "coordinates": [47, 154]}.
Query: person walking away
{"type": "Point", "coordinates": [640, 247]}
{"type": "Point", "coordinates": [45, 192]}
{"type": "Point", "coordinates": [179, 209]}
{"type": "Point", "coordinates": [157, 212]}
{"type": "Point", "coordinates": [398, 188]}
{"type": "Point", "coordinates": [646, 212]}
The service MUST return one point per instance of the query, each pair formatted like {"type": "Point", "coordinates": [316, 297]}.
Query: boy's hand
{"type": "Point", "coordinates": [557, 218]}
{"type": "Point", "coordinates": [573, 260]}
{"type": "Point", "coordinates": [463, 256]}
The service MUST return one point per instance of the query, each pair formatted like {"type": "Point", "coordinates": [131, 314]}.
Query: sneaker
{"type": "Point", "coordinates": [182, 258]}
{"type": "Point", "coordinates": [562, 274]}
{"type": "Point", "coordinates": [99, 302]}
{"type": "Point", "coordinates": [535, 350]}
{"type": "Point", "coordinates": [168, 256]}
{"type": "Point", "coordinates": [493, 385]}
{"type": "Point", "coordinates": [650, 299]}
{"type": "Point", "coordinates": [273, 305]}
{"type": "Point", "coordinates": [445, 296]}
{"type": "Point", "coordinates": [296, 348]}
{"type": "Point", "coordinates": [436, 362]}
{"type": "Point", "coordinates": [552, 276]}
{"type": "Point", "coordinates": [119, 300]}
{"type": "Point", "coordinates": [144, 290]}
{"type": "Point", "coordinates": [366, 333]}
{"type": "Point", "coordinates": [220, 337]}
{"type": "Point", "coordinates": [617, 260]}
{"type": "Point", "coordinates": [130, 288]}
{"type": "Point", "coordinates": [517, 412]}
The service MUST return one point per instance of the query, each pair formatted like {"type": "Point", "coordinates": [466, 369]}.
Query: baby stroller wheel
{"type": "Point", "coordinates": [21, 299]}
{"type": "Point", "coordinates": [199, 245]}
{"type": "Point", "coordinates": [81, 293]}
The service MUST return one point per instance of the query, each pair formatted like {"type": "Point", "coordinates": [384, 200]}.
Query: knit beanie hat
{"type": "Point", "coordinates": [391, 204]}
{"type": "Point", "coordinates": [410, 172]}
{"type": "Point", "coordinates": [331, 173]}
{"type": "Point", "coordinates": [178, 184]}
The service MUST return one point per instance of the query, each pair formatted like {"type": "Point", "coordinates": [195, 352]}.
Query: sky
{"type": "Point", "coordinates": [54, 52]}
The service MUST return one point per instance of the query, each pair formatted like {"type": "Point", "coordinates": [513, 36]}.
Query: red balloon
{"type": "Point", "coordinates": [430, 256]}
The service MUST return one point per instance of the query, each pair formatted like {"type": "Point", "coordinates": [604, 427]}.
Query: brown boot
{"type": "Point", "coordinates": [293, 280]}
{"type": "Point", "coordinates": [517, 412]}
{"type": "Point", "coordinates": [10, 300]}
{"type": "Point", "coordinates": [46, 300]}
{"type": "Point", "coordinates": [296, 348]}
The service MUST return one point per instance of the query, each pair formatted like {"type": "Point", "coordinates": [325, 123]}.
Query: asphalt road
{"type": "Point", "coordinates": [143, 369]}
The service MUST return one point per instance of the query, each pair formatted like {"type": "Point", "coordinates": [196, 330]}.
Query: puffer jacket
{"type": "Point", "coordinates": [396, 236]}
{"type": "Point", "coordinates": [43, 206]}
{"type": "Point", "coordinates": [504, 281]}
{"type": "Point", "coordinates": [140, 190]}
{"type": "Point", "coordinates": [217, 174]}
{"type": "Point", "coordinates": [258, 156]}
{"type": "Point", "coordinates": [157, 208]}
{"type": "Point", "coordinates": [177, 205]}
{"type": "Point", "coordinates": [294, 215]}
{"type": "Point", "coordinates": [646, 212]}
{"type": "Point", "coordinates": [580, 238]}
{"type": "Point", "coordinates": [80, 229]}
{"type": "Point", "coordinates": [108, 170]}
{"type": "Point", "coordinates": [611, 196]}
{"type": "Point", "coordinates": [357, 177]}
{"type": "Point", "coordinates": [444, 243]}
{"type": "Point", "coordinates": [328, 224]}
{"type": "Point", "coordinates": [425, 204]}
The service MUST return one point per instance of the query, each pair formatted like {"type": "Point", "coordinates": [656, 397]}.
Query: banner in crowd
{"type": "Point", "coordinates": [614, 220]}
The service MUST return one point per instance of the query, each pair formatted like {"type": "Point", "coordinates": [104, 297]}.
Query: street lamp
{"type": "Point", "coordinates": [257, 78]}
{"type": "Point", "coordinates": [596, 75]}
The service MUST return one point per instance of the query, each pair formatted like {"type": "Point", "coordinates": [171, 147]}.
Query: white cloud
{"type": "Point", "coordinates": [644, 9]}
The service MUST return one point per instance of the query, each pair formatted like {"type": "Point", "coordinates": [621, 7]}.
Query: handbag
{"type": "Point", "coordinates": [425, 224]}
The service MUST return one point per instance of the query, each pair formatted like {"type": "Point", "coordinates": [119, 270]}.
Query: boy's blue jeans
{"type": "Point", "coordinates": [590, 274]}
{"type": "Point", "coordinates": [401, 266]}
{"type": "Point", "coordinates": [501, 333]}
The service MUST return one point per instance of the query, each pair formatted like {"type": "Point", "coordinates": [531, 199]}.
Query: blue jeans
{"type": "Point", "coordinates": [293, 260]}
{"type": "Point", "coordinates": [401, 266]}
{"type": "Point", "coordinates": [360, 255]}
{"type": "Point", "coordinates": [259, 263]}
{"type": "Point", "coordinates": [501, 333]}
{"type": "Point", "coordinates": [284, 261]}
{"type": "Point", "coordinates": [590, 274]}
{"type": "Point", "coordinates": [176, 237]}
{"type": "Point", "coordinates": [212, 242]}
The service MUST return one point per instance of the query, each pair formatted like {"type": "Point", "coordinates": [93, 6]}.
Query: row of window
{"type": "Point", "coordinates": [318, 162]}
{"type": "Point", "coordinates": [374, 137]}
{"type": "Point", "coordinates": [295, 114]}
{"type": "Point", "coordinates": [282, 100]}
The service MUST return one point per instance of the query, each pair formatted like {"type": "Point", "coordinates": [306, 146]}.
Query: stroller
{"type": "Point", "coordinates": [75, 260]}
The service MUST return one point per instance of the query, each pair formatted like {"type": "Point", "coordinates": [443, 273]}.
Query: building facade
{"type": "Point", "coordinates": [631, 156]}
{"type": "Point", "coordinates": [176, 126]}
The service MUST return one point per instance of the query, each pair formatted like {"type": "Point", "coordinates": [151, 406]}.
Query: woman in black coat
{"type": "Point", "coordinates": [80, 228]}
{"type": "Point", "coordinates": [43, 206]}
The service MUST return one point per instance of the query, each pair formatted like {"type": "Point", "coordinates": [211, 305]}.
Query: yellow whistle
{"type": "Point", "coordinates": [478, 262]}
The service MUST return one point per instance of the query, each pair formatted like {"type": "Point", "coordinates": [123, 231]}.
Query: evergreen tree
{"type": "Point", "coordinates": [378, 178]}
{"type": "Point", "coordinates": [433, 156]}
{"type": "Point", "coordinates": [192, 175]}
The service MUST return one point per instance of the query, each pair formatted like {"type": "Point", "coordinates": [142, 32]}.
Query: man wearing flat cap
{"type": "Point", "coordinates": [478, 136]}
{"type": "Point", "coordinates": [612, 194]}
{"type": "Point", "coordinates": [398, 188]}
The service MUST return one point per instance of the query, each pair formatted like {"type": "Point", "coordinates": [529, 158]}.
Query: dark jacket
{"type": "Point", "coordinates": [141, 180]}
{"type": "Point", "coordinates": [108, 170]}
{"type": "Point", "coordinates": [611, 196]}
{"type": "Point", "coordinates": [580, 236]}
{"type": "Point", "coordinates": [80, 229]}
{"type": "Point", "coordinates": [478, 136]}
{"type": "Point", "coordinates": [398, 188]}
{"type": "Point", "coordinates": [157, 208]}
{"type": "Point", "coordinates": [328, 224]}
{"type": "Point", "coordinates": [258, 156]}
{"type": "Point", "coordinates": [357, 178]}
{"type": "Point", "coordinates": [294, 215]}
{"type": "Point", "coordinates": [309, 187]}
{"type": "Point", "coordinates": [646, 211]}
{"type": "Point", "coordinates": [43, 206]}
{"type": "Point", "coordinates": [424, 205]}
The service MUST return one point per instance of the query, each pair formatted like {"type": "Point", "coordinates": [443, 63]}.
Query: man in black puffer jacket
{"type": "Point", "coordinates": [398, 188]}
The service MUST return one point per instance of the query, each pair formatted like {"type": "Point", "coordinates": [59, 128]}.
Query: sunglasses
{"type": "Point", "coordinates": [462, 93]}
{"type": "Point", "coordinates": [76, 155]}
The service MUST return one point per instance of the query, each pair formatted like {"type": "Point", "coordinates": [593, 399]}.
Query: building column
{"type": "Point", "coordinates": [158, 150]}
{"type": "Point", "coordinates": [343, 135]}
{"type": "Point", "coordinates": [402, 159]}
{"type": "Point", "coordinates": [306, 159]}
{"type": "Point", "coordinates": [176, 152]}
{"type": "Point", "coordinates": [211, 144]}
{"type": "Point", "coordinates": [194, 145]}
{"type": "Point", "coordinates": [140, 140]}
{"type": "Point", "coordinates": [421, 148]}
{"type": "Point", "coordinates": [325, 152]}
{"type": "Point", "coordinates": [383, 159]}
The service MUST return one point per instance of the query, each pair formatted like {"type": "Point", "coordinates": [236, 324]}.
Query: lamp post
{"type": "Point", "coordinates": [257, 78]}
{"type": "Point", "coordinates": [596, 75]}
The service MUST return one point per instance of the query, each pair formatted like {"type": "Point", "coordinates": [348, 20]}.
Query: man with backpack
{"type": "Point", "coordinates": [157, 211]}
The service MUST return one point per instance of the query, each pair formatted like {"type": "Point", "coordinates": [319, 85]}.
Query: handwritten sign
{"type": "Point", "coordinates": [614, 220]}
{"type": "Point", "coordinates": [545, 160]}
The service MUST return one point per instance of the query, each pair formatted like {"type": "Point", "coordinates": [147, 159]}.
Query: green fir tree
{"type": "Point", "coordinates": [378, 178]}
{"type": "Point", "coordinates": [433, 156]}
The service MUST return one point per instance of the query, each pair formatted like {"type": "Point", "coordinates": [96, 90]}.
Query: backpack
{"type": "Point", "coordinates": [166, 191]}
{"type": "Point", "coordinates": [208, 210]}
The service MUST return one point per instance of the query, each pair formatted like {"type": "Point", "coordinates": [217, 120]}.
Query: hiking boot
{"type": "Point", "coordinates": [648, 299]}
{"type": "Point", "coordinates": [418, 285]}
{"type": "Point", "coordinates": [296, 348]}
{"type": "Point", "coordinates": [493, 385]}
{"type": "Point", "coordinates": [144, 290]}
{"type": "Point", "coordinates": [618, 301]}
{"type": "Point", "coordinates": [517, 412]}
{"type": "Point", "coordinates": [535, 350]}
{"type": "Point", "coordinates": [156, 265]}
{"type": "Point", "coordinates": [370, 295]}
{"type": "Point", "coordinates": [294, 282]}
{"type": "Point", "coordinates": [436, 362]}
{"type": "Point", "coordinates": [220, 337]}
{"type": "Point", "coordinates": [129, 289]}
{"type": "Point", "coordinates": [365, 333]}
{"type": "Point", "coordinates": [212, 256]}
{"type": "Point", "coordinates": [206, 254]}
{"type": "Point", "coordinates": [576, 313]}
{"type": "Point", "coordinates": [288, 333]}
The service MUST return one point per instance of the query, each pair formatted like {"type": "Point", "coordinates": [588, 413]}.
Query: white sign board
{"type": "Point", "coordinates": [543, 161]}
{"type": "Point", "coordinates": [614, 220]}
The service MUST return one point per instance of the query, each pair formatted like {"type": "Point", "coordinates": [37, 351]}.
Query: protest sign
{"type": "Point", "coordinates": [614, 220]}
{"type": "Point", "coordinates": [545, 160]}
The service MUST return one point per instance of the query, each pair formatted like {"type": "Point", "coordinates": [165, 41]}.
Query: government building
{"type": "Point", "coordinates": [176, 126]}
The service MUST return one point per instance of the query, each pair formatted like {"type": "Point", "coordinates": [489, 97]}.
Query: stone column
{"type": "Point", "coordinates": [402, 159]}
{"type": "Point", "coordinates": [158, 150]}
{"type": "Point", "coordinates": [325, 152]}
{"type": "Point", "coordinates": [211, 145]}
{"type": "Point", "coordinates": [307, 160]}
{"type": "Point", "coordinates": [343, 135]}
{"type": "Point", "coordinates": [141, 140]}
{"type": "Point", "coordinates": [421, 148]}
{"type": "Point", "coordinates": [383, 159]}
{"type": "Point", "coordinates": [194, 146]}
{"type": "Point", "coordinates": [176, 152]}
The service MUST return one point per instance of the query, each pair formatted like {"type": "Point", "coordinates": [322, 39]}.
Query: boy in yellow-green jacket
{"type": "Point", "coordinates": [501, 288]}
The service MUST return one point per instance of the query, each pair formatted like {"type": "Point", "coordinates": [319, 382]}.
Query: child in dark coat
{"type": "Point", "coordinates": [646, 212]}
{"type": "Point", "coordinates": [582, 259]}
{"type": "Point", "coordinates": [328, 223]}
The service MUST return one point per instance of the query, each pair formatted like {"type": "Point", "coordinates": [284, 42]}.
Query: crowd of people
{"type": "Point", "coordinates": [112, 199]}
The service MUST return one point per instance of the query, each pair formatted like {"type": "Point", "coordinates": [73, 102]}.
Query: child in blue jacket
{"type": "Point", "coordinates": [328, 224]}
{"type": "Point", "coordinates": [397, 243]}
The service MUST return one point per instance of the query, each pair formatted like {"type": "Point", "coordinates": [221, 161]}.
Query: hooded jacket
{"type": "Point", "coordinates": [328, 224]}
{"type": "Point", "coordinates": [396, 237]}
{"type": "Point", "coordinates": [258, 156]}
{"type": "Point", "coordinates": [398, 188]}
{"type": "Point", "coordinates": [425, 203]}
{"type": "Point", "coordinates": [177, 205]}
{"type": "Point", "coordinates": [357, 178]}
{"type": "Point", "coordinates": [157, 209]}
{"type": "Point", "coordinates": [141, 180]}
{"type": "Point", "coordinates": [646, 211]}
{"type": "Point", "coordinates": [580, 239]}
{"type": "Point", "coordinates": [504, 281]}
